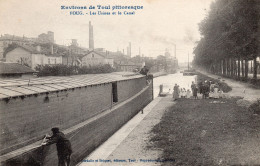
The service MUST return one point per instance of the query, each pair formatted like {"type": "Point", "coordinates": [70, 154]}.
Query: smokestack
{"type": "Point", "coordinates": [130, 49]}
{"type": "Point", "coordinates": [91, 37]}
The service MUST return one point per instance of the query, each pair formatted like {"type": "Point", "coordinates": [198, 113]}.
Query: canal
{"type": "Point", "coordinates": [168, 82]}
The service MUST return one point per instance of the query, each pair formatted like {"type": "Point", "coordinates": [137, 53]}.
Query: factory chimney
{"type": "Point", "coordinates": [91, 38]}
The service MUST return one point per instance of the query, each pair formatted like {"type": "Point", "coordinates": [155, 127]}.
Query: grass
{"type": "Point", "coordinates": [201, 132]}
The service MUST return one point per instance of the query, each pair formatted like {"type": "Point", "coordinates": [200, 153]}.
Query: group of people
{"type": "Point", "coordinates": [208, 89]}
{"type": "Point", "coordinates": [183, 93]}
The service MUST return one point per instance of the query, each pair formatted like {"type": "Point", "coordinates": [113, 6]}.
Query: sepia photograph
{"type": "Point", "coordinates": [129, 82]}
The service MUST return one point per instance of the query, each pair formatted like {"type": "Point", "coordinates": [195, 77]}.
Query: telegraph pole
{"type": "Point", "coordinates": [188, 62]}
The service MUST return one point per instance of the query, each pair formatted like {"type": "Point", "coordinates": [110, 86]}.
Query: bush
{"type": "Point", "coordinates": [255, 107]}
{"type": "Point", "coordinates": [64, 70]}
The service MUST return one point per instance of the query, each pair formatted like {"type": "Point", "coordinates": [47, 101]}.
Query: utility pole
{"type": "Point", "coordinates": [188, 62]}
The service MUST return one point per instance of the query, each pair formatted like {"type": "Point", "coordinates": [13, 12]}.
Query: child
{"type": "Point", "coordinates": [188, 93]}
{"type": "Point", "coordinates": [184, 93]}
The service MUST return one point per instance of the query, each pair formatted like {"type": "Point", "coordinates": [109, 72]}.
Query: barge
{"type": "Point", "coordinates": [87, 108]}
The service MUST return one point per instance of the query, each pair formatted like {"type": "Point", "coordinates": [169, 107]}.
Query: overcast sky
{"type": "Point", "coordinates": [158, 26]}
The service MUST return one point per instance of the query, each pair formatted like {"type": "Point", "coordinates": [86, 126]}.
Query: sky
{"type": "Point", "coordinates": [160, 25]}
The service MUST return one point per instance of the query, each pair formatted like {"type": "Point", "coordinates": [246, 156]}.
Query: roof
{"type": "Point", "coordinates": [43, 50]}
{"type": "Point", "coordinates": [14, 68]}
{"type": "Point", "coordinates": [99, 53]}
{"type": "Point", "coordinates": [30, 49]}
{"type": "Point", "coordinates": [21, 87]}
{"type": "Point", "coordinates": [53, 55]}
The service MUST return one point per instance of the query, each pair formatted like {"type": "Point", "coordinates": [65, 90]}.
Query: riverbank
{"type": "Point", "coordinates": [211, 131]}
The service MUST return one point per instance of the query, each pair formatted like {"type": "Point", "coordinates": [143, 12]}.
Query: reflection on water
{"type": "Point", "coordinates": [170, 80]}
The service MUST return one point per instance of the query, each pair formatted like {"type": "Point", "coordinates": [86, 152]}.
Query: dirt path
{"type": "Point", "coordinates": [238, 88]}
{"type": "Point", "coordinates": [134, 147]}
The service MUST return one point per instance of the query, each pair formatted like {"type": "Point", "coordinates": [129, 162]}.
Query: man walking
{"type": "Point", "coordinates": [63, 146]}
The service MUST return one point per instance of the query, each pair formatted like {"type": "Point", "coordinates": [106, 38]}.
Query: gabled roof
{"type": "Point", "coordinates": [30, 49]}
{"type": "Point", "coordinates": [103, 55]}
{"type": "Point", "coordinates": [44, 49]}
{"type": "Point", "coordinates": [14, 68]}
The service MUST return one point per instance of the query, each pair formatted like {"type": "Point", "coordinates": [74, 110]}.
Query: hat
{"type": "Point", "coordinates": [55, 129]}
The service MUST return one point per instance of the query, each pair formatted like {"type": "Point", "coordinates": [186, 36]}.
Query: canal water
{"type": "Point", "coordinates": [168, 82]}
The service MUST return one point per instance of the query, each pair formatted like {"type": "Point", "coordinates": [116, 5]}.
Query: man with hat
{"type": "Point", "coordinates": [63, 146]}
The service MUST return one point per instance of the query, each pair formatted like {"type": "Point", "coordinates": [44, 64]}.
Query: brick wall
{"type": "Point", "coordinates": [85, 139]}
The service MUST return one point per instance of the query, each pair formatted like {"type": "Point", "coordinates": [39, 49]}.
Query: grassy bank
{"type": "Point", "coordinates": [224, 86]}
{"type": "Point", "coordinates": [208, 132]}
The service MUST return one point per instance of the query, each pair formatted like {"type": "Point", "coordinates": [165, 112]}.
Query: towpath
{"type": "Point", "coordinates": [241, 89]}
{"type": "Point", "coordinates": [128, 146]}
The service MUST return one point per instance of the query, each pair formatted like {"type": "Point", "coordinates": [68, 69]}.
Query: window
{"type": "Point", "coordinates": [114, 92]}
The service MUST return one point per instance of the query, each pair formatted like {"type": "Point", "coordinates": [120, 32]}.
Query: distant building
{"type": "Point", "coordinates": [171, 62]}
{"type": "Point", "coordinates": [7, 39]}
{"type": "Point", "coordinates": [94, 58]}
{"type": "Point", "coordinates": [1, 50]}
{"type": "Point", "coordinates": [15, 70]}
{"type": "Point", "coordinates": [32, 57]}
{"type": "Point", "coordinates": [74, 60]}
{"type": "Point", "coordinates": [74, 42]}
{"type": "Point", "coordinates": [46, 38]}
{"type": "Point", "coordinates": [100, 50]}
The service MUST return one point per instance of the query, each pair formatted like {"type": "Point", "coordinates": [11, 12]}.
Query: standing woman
{"type": "Point", "coordinates": [175, 92]}
{"type": "Point", "coordinates": [195, 93]}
